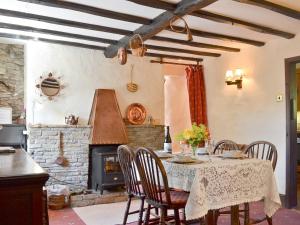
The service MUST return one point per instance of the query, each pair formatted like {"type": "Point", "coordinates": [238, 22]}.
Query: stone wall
{"type": "Point", "coordinates": [12, 74]}
{"type": "Point", "coordinates": [45, 143]}
{"type": "Point", "coordinates": [149, 136]}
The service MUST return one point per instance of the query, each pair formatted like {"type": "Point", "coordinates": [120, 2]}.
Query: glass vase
{"type": "Point", "coordinates": [194, 149]}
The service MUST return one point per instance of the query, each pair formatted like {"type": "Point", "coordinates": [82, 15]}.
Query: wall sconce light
{"type": "Point", "coordinates": [234, 78]}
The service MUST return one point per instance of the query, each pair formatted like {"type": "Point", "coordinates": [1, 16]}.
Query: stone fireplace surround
{"type": "Point", "coordinates": [45, 142]}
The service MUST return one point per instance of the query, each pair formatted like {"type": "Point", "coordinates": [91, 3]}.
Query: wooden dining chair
{"type": "Point", "coordinates": [266, 151]}
{"type": "Point", "coordinates": [132, 183]}
{"type": "Point", "coordinates": [225, 145]}
{"type": "Point", "coordinates": [156, 188]}
{"type": "Point", "coordinates": [220, 148]}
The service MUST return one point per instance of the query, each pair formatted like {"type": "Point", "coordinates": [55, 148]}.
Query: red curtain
{"type": "Point", "coordinates": [197, 95]}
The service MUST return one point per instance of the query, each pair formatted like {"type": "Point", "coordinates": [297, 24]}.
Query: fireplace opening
{"type": "Point", "coordinates": [104, 168]}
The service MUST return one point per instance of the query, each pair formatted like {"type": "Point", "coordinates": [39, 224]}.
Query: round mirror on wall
{"type": "Point", "coordinates": [49, 86]}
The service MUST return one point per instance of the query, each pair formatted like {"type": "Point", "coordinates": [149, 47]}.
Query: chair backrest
{"type": "Point", "coordinates": [225, 145]}
{"type": "Point", "coordinates": [129, 169]}
{"type": "Point", "coordinates": [153, 177]}
{"type": "Point", "coordinates": [262, 150]}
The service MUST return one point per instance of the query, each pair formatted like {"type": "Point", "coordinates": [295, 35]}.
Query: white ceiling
{"type": "Point", "coordinates": [224, 7]}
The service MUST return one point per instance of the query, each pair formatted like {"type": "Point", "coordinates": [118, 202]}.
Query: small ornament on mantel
{"type": "Point", "coordinates": [71, 120]}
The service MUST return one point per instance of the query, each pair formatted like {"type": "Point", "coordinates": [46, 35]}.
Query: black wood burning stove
{"type": "Point", "coordinates": [105, 171]}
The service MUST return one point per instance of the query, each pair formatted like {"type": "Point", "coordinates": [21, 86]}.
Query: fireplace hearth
{"type": "Point", "coordinates": [105, 171]}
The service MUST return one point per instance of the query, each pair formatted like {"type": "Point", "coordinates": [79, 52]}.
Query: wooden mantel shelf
{"type": "Point", "coordinates": [58, 126]}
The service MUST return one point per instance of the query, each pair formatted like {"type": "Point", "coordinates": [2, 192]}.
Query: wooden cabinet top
{"type": "Point", "coordinates": [20, 167]}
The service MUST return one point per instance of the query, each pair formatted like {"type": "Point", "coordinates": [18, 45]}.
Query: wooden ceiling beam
{"type": "Point", "coordinates": [195, 44]}
{"type": "Point", "coordinates": [223, 37]}
{"type": "Point", "coordinates": [98, 39]}
{"type": "Point", "coordinates": [88, 46]}
{"type": "Point", "coordinates": [56, 33]}
{"type": "Point", "coordinates": [91, 10]}
{"type": "Point", "coordinates": [158, 55]}
{"type": "Point", "coordinates": [171, 63]}
{"type": "Point", "coordinates": [64, 22]}
{"type": "Point", "coordinates": [180, 50]}
{"type": "Point", "coordinates": [218, 18]}
{"type": "Point", "coordinates": [32, 38]}
{"type": "Point", "coordinates": [273, 7]}
{"type": "Point", "coordinates": [159, 23]}
{"type": "Point", "coordinates": [156, 4]}
{"type": "Point", "coordinates": [251, 26]}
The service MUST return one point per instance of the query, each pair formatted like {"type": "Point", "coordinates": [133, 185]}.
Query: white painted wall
{"type": "Point", "coordinates": [177, 108]}
{"type": "Point", "coordinates": [82, 72]}
{"type": "Point", "coordinates": [252, 113]}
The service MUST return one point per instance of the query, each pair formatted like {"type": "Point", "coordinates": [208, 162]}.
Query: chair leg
{"type": "Point", "coordinates": [127, 210]}
{"type": "Point", "coordinates": [162, 216]}
{"type": "Point", "coordinates": [147, 216]}
{"type": "Point", "coordinates": [141, 211]}
{"type": "Point", "coordinates": [269, 220]}
{"type": "Point", "coordinates": [210, 217]}
{"type": "Point", "coordinates": [156, 211]}
{"type": "Point", "coordinates": [184, 215]}
{"type": "Point", "coordinates": [177, 218]}
{"type": "Point", "coordinates": [246, 214]}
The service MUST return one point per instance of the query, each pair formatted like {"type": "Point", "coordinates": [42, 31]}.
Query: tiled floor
{"type": "Point", "coordinates": [69, 217]}
{"type": "Point", "coordinates": [65, 216]}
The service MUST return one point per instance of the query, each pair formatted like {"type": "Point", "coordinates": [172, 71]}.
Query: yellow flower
{"type": "Point", "coordinates": [187, 134]}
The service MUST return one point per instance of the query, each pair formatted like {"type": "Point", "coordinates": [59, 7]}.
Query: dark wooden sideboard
{"type": "Point", "coordinates": [21, 189]}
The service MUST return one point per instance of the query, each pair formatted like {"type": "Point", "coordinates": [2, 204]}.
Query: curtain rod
{"type": "Point", "coordinates": [173, 63]}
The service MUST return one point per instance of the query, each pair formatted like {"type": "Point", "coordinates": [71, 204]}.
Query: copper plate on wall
{"type": "Point", "coordinates": [136, 114]}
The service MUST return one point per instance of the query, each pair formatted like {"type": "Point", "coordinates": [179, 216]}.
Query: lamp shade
{"type": "Point", "coordinates": [238, 74]}
{"type": "Point", "coordinates": [229, 75]}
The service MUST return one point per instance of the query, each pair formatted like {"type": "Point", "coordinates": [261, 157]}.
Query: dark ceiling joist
{"type": "Point", "coordinates": [217, 18]}
{"type": "Point", "coordinates": [158, 4]}
{"type": "Point", "coordinates": [223, 37]}
{"type": "Point", "coordinates": [64, 22]}
{"type": "Point", "coordinates": [273, 7]}
{"type": "Point", "coordinates": [97, 39]}
{"type": "Point", "coordinates": [173, 57]}
{"type": "Point", "coordinates": [251, 26]}
{"type": "Point", "coordinates": [171, 63]}
{"type": "Point", "coordinates": [159, 23]}
{"type": "Point", "coordinates": [195, 44]}
{"type": "Point", "coordinates": [91, 10]}
{"type": "Point", "coordinates": [88, 46]}
{"type": "Point", "coordinates": [168, 49]}
{"type": "Point", "coordinates": [68, 43]}
{"type": "Point", "coordinates": [56, 33]}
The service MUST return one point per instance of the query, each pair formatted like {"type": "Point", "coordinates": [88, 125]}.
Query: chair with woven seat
{"type": "Point", "coordinates": [266, 151]}
{"type": "Point", "coordinates": [225, 145]}
{"type": "Point", "coordinates": [155, 185]}
{"type": "Point", "coordinates": [132, 183]}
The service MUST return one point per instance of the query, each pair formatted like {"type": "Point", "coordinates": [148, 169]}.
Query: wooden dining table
{"type": "Point", "coordinates": [215, 183]}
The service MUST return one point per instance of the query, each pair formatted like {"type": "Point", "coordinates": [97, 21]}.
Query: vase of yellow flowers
{"type": "Point", "coordinates": [194, 136]}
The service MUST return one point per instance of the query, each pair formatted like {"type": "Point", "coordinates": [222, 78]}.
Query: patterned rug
{"type": "Point", "coordinates": [69, 217]}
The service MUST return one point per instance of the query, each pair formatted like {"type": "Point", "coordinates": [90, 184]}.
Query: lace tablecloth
{"type": "Point", "coordinates": [220, 183]}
